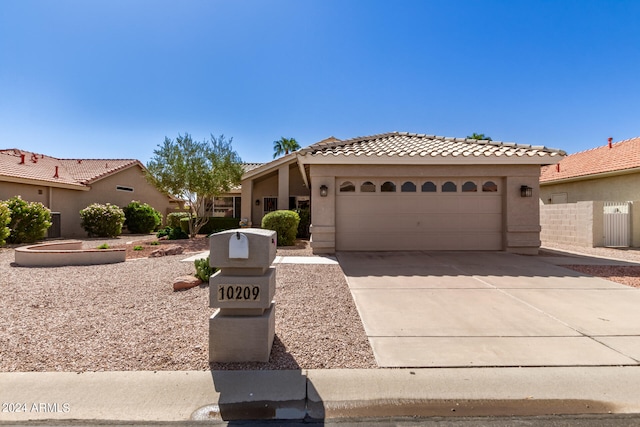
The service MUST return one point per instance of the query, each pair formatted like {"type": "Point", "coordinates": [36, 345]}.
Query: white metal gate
{"type": "Point", "coordinates": [617, 224]}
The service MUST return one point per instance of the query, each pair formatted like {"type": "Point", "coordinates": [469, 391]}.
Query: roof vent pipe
{"type": "Point", "coordinates": [557, 167]}
{"type": "Point", "coordinates": [610, 139]}
{"type": "Point", "coordinates": [55, 175]}
{"type": "Point", "coordinates": [21, 159]}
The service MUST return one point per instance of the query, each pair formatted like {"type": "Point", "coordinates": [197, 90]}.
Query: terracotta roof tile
{"type": "Point", "coordinates": [412, 144]}
{"type": "Point", "coordinates": [76, 172]}
{"type": "Point", "coordinates": [622, 155]}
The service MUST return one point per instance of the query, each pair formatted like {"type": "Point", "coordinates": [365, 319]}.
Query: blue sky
{"type": "Point", "coordinates": [112, 78]}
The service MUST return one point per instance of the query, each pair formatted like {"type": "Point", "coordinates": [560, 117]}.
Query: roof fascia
{"type": "Point", "coordinates": [591, 176]}
{"type": "Point", "coordinates": [331, 159]}
{"type": "Point", "coordinates": [270, 167]}
{"type": "Point", "coordinates": [17, 180]}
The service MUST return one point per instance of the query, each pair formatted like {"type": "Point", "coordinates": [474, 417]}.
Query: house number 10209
{"type": "Point", "coordinates": [238, 293]}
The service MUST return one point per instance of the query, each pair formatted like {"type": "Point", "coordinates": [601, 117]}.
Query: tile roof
{"type": "Point", "coordinates": [620, 156]}
{"type": "Point", "coordinates": [70, 172]}
{"type": "Point", "coordinates": [399, 144]}
{"type": "Point", "coordinates": [246, 167]}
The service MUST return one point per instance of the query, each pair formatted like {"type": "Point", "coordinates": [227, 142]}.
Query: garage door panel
{"type": "Point", "coordinates": [419, 221]}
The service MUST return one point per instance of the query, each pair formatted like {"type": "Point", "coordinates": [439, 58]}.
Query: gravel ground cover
{"type": "Point", "coordinates": [125, 316]}
{"type": "Point", "coordinates": [626, 275]}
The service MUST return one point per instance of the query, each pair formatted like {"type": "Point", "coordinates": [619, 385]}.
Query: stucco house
{"type": "Point", "coordinates": [406, 191]}
{"type": "Point", "coordinates": [68, 185]}
{"type": "Point", "coordinates": [606, 173]}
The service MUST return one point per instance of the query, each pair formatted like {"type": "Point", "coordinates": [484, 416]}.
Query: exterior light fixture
{"type": "Point", "coordinates": [257, 202]}
{"type": "Point", "coordinates": [324, 190]}
{"type": "Point", "coordinates": [526, 191]}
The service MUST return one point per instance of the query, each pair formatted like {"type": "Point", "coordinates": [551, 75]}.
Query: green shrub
{"type": "Point", "coordinates": [305, 222]}
{"type": "Point", "coordinates": [203, 270]}
{"type": "Point", "coordinates": [141, 218]}
{"type": "Point", "coordinates": [5, 218]}
{"type": "Point", "coordinates": [138, 248]}
{"type": "Point", "coordinates": [29, 220]}
{"type": "Point", "coordinates": [173, 219]}
{"type": "Point", "coordinates": [103, 246]}
{"type": "Point", "coordinates": [102, 220]}
{"type": "Point", "coordinates": [284, 223]}
{"type": "Point", "coordinates": [172, 233]}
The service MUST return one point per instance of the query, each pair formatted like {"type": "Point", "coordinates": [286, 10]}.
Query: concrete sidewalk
{"type": "Point", "coordinates": [317, 394]}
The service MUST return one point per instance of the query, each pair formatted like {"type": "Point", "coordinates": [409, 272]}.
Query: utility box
{"type": "Point", "coordinates": [243, 327]}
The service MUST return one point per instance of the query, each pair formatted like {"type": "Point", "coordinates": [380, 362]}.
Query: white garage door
{"type": "Point", "coordinates": [419, 214]}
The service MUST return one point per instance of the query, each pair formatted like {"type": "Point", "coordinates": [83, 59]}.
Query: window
{"type": "Point", "coordinates": [347, 187]}
{"type": "Point", "coordinates": [449, 187]}
{"type": "Point", "coordinates": [123, 188]}
{"type": "Point", "coordinates": [428, 187]}
{"type": "Point", "coordinates": [388, 187]}
{"type": "Point", "coordinates": [408, 187]}
{"type": "Point", "coordinates": [368, 187]}
{"type": "Point", "coordinates": [270, 204]}
{"type": "Point", "coordinates": [223, 207]}
{"type": "Point", "coordinates": [489, 186]}
{"type": "Point", "coordinates": [469, 187]}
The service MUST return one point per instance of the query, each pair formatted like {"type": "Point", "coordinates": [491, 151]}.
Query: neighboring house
{"type": "Point", "coordinates": [607, 173]}
{"type": "Point", "coordinates": [68, 185]}
{"type": "Point", "coordinates": [403, 191]}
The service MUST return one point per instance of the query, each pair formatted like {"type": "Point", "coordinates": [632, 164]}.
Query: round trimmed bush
{"type": "Point", "coordinates": [284, 223]}
{"type": "Point", "coordinates": [102, 220]}
{"type": "Point", "coordinates": [5, 218]}
{"type": "Point", "coordinates": [29, 220]}
{"type": "Point", "coordinates": [173, 219]}
{"type": "Point", "coordinates": [141, 218]}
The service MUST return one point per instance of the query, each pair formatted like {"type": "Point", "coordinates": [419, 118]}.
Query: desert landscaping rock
{"type": "Point", "coordinates": [186, 282]}
{"type": "Point", "coordinates": [169, 250]}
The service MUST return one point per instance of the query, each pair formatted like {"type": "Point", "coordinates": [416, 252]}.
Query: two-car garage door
{"type": "Point", "coordinates": [419, 214]}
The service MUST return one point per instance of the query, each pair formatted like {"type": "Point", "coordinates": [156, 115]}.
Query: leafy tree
{"type": "Point", "coordinates": [284, 146]}
{"type": "Point", "coordinates": [479, 136]}
{"type": "Point", "coordinates": [195, 171]}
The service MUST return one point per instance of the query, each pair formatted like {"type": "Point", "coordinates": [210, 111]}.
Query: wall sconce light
{"type": "Point", "coordinates": [526, 191]}
{"type": "Point", "coordinates": [257, 202]}
{"type": "Point", "coordinates": [324, 190]}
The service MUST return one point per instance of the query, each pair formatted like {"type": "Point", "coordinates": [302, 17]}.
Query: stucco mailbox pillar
{"type": "Point", "coordinates": [243, 327]}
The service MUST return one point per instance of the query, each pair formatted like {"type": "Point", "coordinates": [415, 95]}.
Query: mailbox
{"type": "Point", "coordinates": [238, 246]}
{"type": "Point", "coordinates": [243, 327]}
{"type": "Point", "coordinates": [226, 248]}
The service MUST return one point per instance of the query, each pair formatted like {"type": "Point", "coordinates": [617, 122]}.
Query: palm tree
{"type": "Point", "coordinates": [284, 146]}
{"type": "Point", "coordinates": [479, 136]}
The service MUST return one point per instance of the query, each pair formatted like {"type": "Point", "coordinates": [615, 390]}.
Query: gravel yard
{"type": "Point", "coordinates": [126, 317]}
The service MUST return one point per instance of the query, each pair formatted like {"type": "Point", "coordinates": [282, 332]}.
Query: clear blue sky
{"type": "Point", "coordinates": [112, 78]}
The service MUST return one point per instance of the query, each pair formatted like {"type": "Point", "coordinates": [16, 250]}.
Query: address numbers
{"type": "Point", "coordinates": [238, 293]}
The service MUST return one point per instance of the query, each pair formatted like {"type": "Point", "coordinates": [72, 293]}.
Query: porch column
{"type": "Point", "coordinates": [246, 201]}
{"type": "Point", "coordinates": [283, 187]}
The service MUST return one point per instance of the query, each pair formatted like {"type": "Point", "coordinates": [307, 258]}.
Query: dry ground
{"type": "Point", "coordinates": [125, 316]}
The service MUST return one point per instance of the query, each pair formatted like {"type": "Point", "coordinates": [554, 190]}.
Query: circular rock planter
{"type": "Point", "coordinates": [66, 253]}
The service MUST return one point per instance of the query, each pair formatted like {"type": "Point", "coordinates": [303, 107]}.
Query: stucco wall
{"type": "Point", "coordinates": [620, 188]}
{"type": "Point", "coordinates": [70, 202]}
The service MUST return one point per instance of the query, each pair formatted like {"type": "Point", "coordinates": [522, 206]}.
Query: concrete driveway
{"type": "Point", "coordinates": [462, 309]}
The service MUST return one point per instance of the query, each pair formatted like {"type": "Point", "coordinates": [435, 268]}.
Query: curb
{"type": "Point", "coordinates": [172, 396]}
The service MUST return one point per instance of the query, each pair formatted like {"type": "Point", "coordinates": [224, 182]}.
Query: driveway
{"type": "Point", "coordinates": [462, 309]}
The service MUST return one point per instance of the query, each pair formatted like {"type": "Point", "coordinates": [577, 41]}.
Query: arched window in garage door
{"type": "Point", "coordinates": [347, 187]}
{"type": "Point", "coordinates": [388, 187]}
{"type": "Point", "coordinates": [429, 187]}
{"type": "Point", "coordinates": [368, 187]}
{"type": "Point", "coordinates": [449, 187]}
{"type": "Point", "coordinates": [408, 187]}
